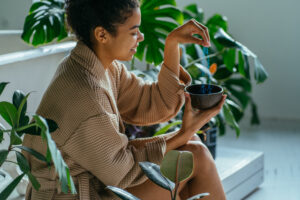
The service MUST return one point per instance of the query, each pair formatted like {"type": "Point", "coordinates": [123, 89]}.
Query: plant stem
{"type": "Point", "coordinates": [204, 58]}
{"type": "Point", "coordinates": [148, 66]}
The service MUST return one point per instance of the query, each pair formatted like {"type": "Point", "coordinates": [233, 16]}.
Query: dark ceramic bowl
{"type": "Point", "coordinates": [204, 96]}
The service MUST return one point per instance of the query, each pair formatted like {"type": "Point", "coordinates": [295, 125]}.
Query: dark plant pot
{"type": "Point", "coordinates": [204, 96]}
{"type": "Point", "coordinates": [211, 140]}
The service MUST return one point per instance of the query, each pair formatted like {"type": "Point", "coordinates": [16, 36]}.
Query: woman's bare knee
{"type": "Point", "coordinates": [202, 157]}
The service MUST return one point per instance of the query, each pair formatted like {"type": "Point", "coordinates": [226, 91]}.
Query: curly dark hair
{"type": "Point", "coordinates": [83, 16]}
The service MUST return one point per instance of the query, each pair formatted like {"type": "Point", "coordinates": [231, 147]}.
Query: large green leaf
{"type": "Point", "coordinates": [236, 110]}
{"type": "Point", "coordinates": [198, 196]}
{"type": "Point", "coordinates": [230, 120]}
{"type": "Point", "coordinates": [152, 171]}
{"type": "Point", "coordinates": [2, 86]}
{"type": "Point", "coordinates": [60, 165]}
{"type": "Point", "coordinates": [122, 193]}
{"type": "Point", "coordinates": [229, 59]}
{"type": "Point", "coordinates": [242, 97]}
{"type": "Point", "coordinates": [223, 38]}
{"type": "Point", "coordinates": [10, 188]}
{"type": "Point", "coordinates": [221, 123]}
{"type": "Point", "coordinates": [3, 156]}
{"type": "Point", "coordinates": [9, 113]}
{"type": "Point", "coordinates": [260, 73]}
{"type": "Point", "coordinates": [45, 22]}
{"type": "Point", "coordinates": [158, 19]}
{"type": "Point", "coordinates": [243, 83]}
{"type": "Point", "coordinates": [222, 73]}
{"type": "Point", "coordinates": [177, 166]}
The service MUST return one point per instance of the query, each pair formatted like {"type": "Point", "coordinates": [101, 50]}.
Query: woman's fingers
{"type": "Point", "coordinates": [205, 29]}
{"type": "Point", "coordinates": [201, 30]}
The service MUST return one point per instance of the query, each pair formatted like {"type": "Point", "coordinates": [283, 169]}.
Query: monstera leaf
{"type": "Point", "coordinates": [158, 19]}
{"type": "Point", "coordinates": [244, 67]}
{"type": "Point", "coordinates": [45, 22]}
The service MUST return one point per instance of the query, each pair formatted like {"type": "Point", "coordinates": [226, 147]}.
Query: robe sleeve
{"type": "Point", "coordinates": [144, 103]}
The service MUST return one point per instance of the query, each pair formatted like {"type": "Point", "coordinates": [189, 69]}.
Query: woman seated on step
{"type": "Point", "coordinates": [92, 93]}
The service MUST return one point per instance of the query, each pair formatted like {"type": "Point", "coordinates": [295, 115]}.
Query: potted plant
{"type": "Point", "coordinates": [14, 114]}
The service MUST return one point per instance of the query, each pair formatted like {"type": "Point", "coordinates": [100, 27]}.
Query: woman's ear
{"type": "Point", "coordinates": [100, 34]}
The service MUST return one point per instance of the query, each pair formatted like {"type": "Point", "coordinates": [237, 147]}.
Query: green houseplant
{"type": "Point", "coordinates": [15, 115]}
{"type": "Point", "coordinates": [45, 23]}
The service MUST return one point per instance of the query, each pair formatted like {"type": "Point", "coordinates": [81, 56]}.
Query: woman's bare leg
{"type": "Point", "coordinates": [204, 179]}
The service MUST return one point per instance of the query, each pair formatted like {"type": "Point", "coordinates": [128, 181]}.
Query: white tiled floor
{"type": "Point", "coordinates": [280, 143]}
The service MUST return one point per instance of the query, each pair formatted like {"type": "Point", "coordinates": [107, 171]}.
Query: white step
{"type": "Point", "coordinates": [241, 171]}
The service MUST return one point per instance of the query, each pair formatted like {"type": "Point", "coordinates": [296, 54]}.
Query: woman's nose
{"type": "Point", "coordinates": [141, 37]}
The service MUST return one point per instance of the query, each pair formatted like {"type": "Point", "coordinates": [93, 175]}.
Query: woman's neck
{"type": "Point", "coordinates": [103, 56]}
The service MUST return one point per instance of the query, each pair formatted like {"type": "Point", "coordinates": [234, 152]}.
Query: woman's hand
{"type": "Point", "coordinates": [183, 34]}
{"type": "Point", "coordinates": [193, 120]}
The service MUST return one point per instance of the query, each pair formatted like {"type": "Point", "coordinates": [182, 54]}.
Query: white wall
{"type": "Point", "coordinates": [13, 13]}
{"type": "Point", "coordinates": [271, 29]}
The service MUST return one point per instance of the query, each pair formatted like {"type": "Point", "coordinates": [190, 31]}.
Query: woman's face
{"type": "Point", "coordinates": [124, 45]}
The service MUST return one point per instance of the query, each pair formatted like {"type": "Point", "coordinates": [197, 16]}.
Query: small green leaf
{"type": "Point", "coordinates": [122, 193]}
{"type": "Point", "coordinates": [15, 139]}
{"type": "Point", "coordinates": [2, 86]}
{"type": "Point", "coordinates": [167, 127]}
{"type": "Point", "coordinates": [9, 113]}
{"type": "Point", "coordinates": [34, 181]}
{"type": "Point", "coordinates": [22, 162]}
{"type": "Point", "coordinates": [152, 171]}
{"type": "Point", "coordinates": [10, 188]}
{"type": "Point", "coordinates": [260, 73]}
{"type": "Point", "coordinates": [33, 152]}
{"type": "Point", "coordinates": [3, 156]}
{"type": "Point", "coordinates": [20, 102]}
{"type": "Point", "coordinates": [198, 196]}
{"type": "Point", "coordinates": [177, 166]}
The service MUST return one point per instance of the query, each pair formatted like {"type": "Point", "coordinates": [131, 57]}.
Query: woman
{"type": "Point", "coordinates": [92, 94]}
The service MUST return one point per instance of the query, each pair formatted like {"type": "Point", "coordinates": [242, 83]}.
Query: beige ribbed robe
{"type": "Point", "coordinates": [89, 104]}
